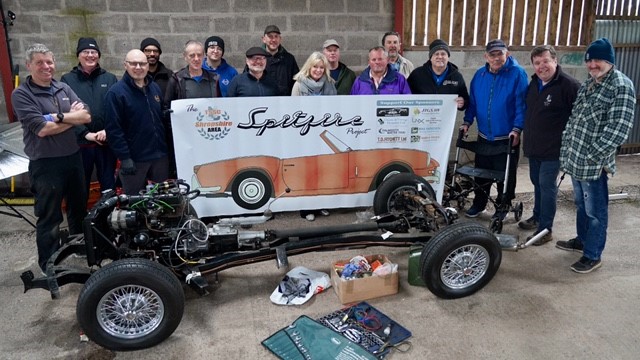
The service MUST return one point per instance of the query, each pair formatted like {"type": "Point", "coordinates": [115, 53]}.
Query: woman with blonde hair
{"type": "Point", "coordinates": [314, 77]}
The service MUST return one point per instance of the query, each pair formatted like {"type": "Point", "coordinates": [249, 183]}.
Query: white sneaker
{"type": "Point", "coordinates": [310, 217]}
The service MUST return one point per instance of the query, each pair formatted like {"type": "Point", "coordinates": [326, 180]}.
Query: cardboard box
{"type": "Point", "coordinates": [359, 289]}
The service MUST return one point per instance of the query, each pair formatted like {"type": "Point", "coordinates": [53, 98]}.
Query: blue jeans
{"type": "Point", "coordinates": [544, 175]}
{"type": "Point", "coordinates": [592, 201]}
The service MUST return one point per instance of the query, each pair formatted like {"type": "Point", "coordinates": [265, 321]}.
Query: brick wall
{"type": "Point", "coordinates": [120, 25]}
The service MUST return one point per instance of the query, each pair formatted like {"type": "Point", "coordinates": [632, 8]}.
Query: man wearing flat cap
{"type": "Point", "coordinates": [214, 62]}
{"type": "Point", "coordinates": [281, 65]}
{"type": "Point", "coordinates": [91, 83]}
{"type": "Point", "coordinates": [497, 96]}
{"type": "Point", "coordinates": [439, 76]}
{"type": "Point", "coordinates": [343, 76]}
{"type": "Point", "coordinates": [254, 81]}
{"type": "Point", "coordinates": [601, 120]}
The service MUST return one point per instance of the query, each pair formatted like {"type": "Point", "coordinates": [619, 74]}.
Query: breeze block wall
{"type": "Point", "coordinates": [120, 25]}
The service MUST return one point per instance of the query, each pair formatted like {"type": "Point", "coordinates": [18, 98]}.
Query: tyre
{"type": "Point", "coordinates": [390, 171]}
{"type": "Point", "coordinates": [130, 304]}
{"type": "Point", "coordinates": [517, 212]}
{"type": "Point", "coordinates": [460, 260]}
{"type": "Point", "coordinates": [251, 190]}
{"type": "Point", "coordinates": [496, 225]}
{"type": "Point", "coordinates": [389, 197]}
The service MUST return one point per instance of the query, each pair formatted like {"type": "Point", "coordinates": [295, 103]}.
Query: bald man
{"type": "Point", "coordinates": [134, 125]}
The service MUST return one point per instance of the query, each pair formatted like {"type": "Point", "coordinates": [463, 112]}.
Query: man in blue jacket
{"type": "Point", "coordinates": [214, 62]}
{"type": "Point", "coordinates": [134, 125]}
{"type": "Point", "coordinates": [497, 102]}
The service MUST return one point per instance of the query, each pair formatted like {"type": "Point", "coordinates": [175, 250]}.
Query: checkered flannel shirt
{"type": "Point", "coordinates": [601, 120]}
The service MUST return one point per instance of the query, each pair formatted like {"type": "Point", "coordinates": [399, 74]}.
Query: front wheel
{"type": "Point", "coordinates": [130, 304]}
{"type": "Point", "coordinates": [460, 260]}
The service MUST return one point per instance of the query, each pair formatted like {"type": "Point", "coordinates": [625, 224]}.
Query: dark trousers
{"type": "Point", "coordinates": [104, 160]}
{"type": "Point", "coordinates": [52, 180]}
{"type": "Point", "coordinates": [154, 171]}
{"type": "Point", "coordinates": [499, 163]}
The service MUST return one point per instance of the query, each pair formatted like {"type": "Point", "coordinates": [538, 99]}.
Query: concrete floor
{"type": "Point", "coordinates": [534, 308]}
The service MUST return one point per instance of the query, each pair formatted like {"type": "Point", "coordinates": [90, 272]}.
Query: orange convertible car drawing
{"type": "Point", "coordinates": [253, 180]}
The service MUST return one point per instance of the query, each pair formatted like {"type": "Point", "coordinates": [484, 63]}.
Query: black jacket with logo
{"type": "Point", "coordinates": [547, 114]}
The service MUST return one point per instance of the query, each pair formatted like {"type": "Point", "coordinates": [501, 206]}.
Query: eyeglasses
{"type": "Point", "coordinates": [137, 63]}
{"type": "Point", "coordinates": [89, 52]}
{"type": "Point", "coordinates": [151, 51]}
{"type": "Point", "coordinates": [257, 58]}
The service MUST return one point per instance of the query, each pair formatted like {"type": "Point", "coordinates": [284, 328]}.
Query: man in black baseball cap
{"type": "Point", "coordinates": [282, 65]}
{"type": "Point", "coordinates": [214, 62]}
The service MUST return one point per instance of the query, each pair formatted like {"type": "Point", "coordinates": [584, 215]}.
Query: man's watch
{"type": "Point", "coordinates": [60, 117]}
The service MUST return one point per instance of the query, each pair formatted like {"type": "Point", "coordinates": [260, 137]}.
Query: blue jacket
{"type": "Point", "coordinates": [226, 73]}
{"type": "Point", "coordinates": [497, 101]}
{"type": "Point", "coordinates": [392, 83]}
{"type": "Point", "coordinates": [134, 120]}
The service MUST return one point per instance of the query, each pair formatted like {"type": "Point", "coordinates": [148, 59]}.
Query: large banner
{"type": "Point", "coordinates": [247, 155]}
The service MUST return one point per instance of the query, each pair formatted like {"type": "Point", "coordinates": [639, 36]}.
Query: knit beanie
{"type": "Point", "coordinates": [436, 45]}
{"type": "Point", "coordinates": [85, 43]}
{"type": "Point", "coordinates": [214, 41]}
{"type": "Point", "coordinates": [150, 41]}
{"type": "Point", "coordinates": [600, 49]}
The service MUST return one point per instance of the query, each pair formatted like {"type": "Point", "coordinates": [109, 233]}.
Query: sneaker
{"type": "Point", "coordinates": [474, 212]}
{"type": "Point", "coordinates": [324, 212]}
{"type": "Point", "coordinates": [570, 245]}
{"type": "Point", "coordinates": [529, 224]}
{"type": "Point", "coordinates": [310, 217]}
{"type": "Point", "coordinates": [545, 239]}
{"type": "Point", "coordinates": [584, 265]}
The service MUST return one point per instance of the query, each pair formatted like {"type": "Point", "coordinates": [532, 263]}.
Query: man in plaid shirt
{"type": "Point", "coordinates": [601, 120]}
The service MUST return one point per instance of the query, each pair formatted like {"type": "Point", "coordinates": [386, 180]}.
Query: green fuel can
{"type": "Point", "coordinates": [415, 251]}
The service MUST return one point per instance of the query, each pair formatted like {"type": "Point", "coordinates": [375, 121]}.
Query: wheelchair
{"type": "Point", "coordinates": [463, 181]}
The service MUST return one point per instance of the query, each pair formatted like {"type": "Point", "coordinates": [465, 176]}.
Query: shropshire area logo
{"type": "Point", "coordinates": [214, 124]}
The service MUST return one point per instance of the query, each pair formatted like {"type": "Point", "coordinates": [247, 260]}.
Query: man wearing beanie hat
{"type": "Point", "coordinates": [439, 76]}
{"type": "Point", "coordinates": [91, 83]}
{"type": "Point", "coordinates": [601, 120]}
{"type": "Point", "coordinates": [497, 95]}
{"type": "Point", "coordinates": [158, 72]}
{"type": "Point", "coordinates": [214, 62]}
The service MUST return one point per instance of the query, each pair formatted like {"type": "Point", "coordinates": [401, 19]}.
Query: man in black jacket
{"type": "Point", "coordinates": [91, 82]}
{"type": "Point", "coordinates": [254, 81]}
{"type": "Point", "coordinates": [550, 100]}
{"type": "Point", "coordinates": [281, 65]}
{"type": "Point", "coordinates": [439, 76]}
{"type": "Point", "coordinates": [158, 72]}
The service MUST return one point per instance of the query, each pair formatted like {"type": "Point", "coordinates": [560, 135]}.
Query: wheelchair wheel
{"type": "Point", "coordinates": [496, 225]}
{"type": "Point", "coordinates": [517, 211]}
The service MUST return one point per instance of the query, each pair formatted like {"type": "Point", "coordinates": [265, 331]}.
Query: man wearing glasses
{"type": "Point", "coordinates": [158, 72]}
{"type": "Point", "coordinates": [214, 62]}
{"type": "Point", "coordinates": [91, 82]}
{"type": "Point", "coordinates": [254, 80]}
{"type": "Point", "coordinates": [134, 125]}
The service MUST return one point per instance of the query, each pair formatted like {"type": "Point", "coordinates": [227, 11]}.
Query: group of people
{"type": "Point", "coordinates": [90, 119]}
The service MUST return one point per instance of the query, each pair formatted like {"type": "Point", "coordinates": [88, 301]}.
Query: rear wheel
{"type": "Point", "coordinates": [390, 195]}
{"type": "Point", "coordinates": [251, 190]}
{"type": "Point", "coordinates": [460, 260]}
{"type": "Point", "coordinates": [130, 304]}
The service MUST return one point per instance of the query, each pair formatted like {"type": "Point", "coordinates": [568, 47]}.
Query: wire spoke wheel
{"type": "Point", "coordinates": [130, 311]}
{"type": "Point", "coordinates": [464, 266]}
